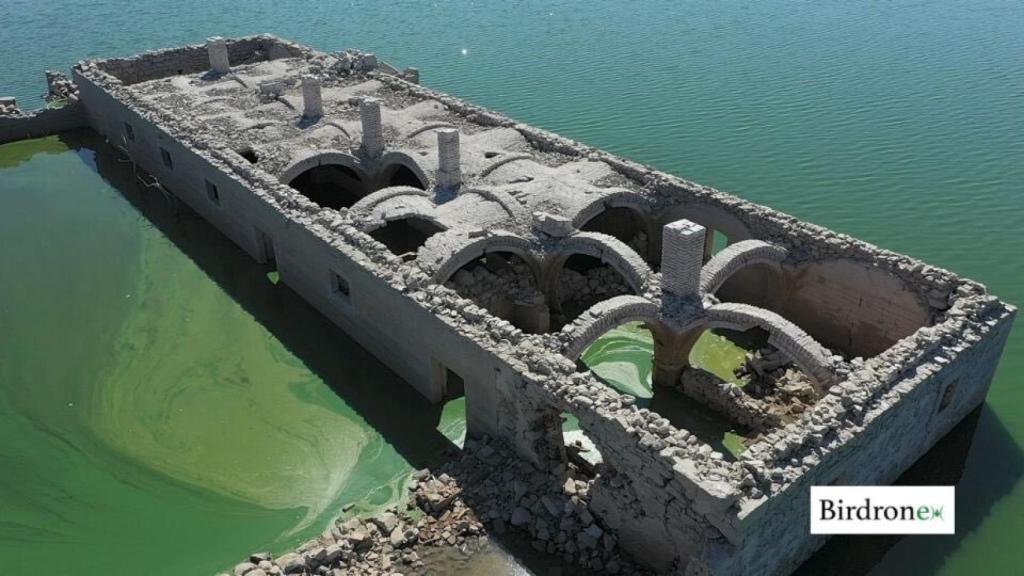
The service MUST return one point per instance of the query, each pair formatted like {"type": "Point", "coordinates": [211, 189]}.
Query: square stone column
{"type": "Point", "coordinates": [312, 101]}
{"type": "Point", "coordinates": [373, 127]}
{"type": "Point", "coordinates": [217, 48]}
{"type": "Point", "coordinates": [449, 168]}
{"type": "Point", "coordinates": [682, 256]}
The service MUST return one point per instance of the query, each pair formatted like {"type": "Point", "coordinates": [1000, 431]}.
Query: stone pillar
{"type": "Point", "coordinates": [373, 127]}
{"type": "Point", "coordinates": [312, 102]}
{"type": "Point", "coordinates": [682, 256]}
{"type": "Point", "coordinates": [217, 48]}
{"type": "Point", "coordinates": [672, 356]}
{"type": "Point", "coordinates": [449, 169]}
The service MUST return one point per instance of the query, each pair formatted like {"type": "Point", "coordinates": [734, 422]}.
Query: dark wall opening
{"type": "Point", "coordinates": [249, 154]}
{"type": "Point", "coordinates": [400, 175]}
{"type": "Point", "coordinates": [331, 185]}
{"type": "Point", "coordinates": [582, 282]}
{"type": "Point", "coordinates": [504, 284]}
{"type": "Point", "coordinates": [405, 237]}
{"type": "Point", "coordinates": [625, 224]}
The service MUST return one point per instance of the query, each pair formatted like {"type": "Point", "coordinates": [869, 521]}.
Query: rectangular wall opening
{"type": "Point", "coordinates": [212, 192]}
{"type": "Point", "coordinates": [129, 132]}
{"type": "Point", "coordinates": [266, 255]}
{"type": "Point", "coordinates": [339, 286]}
{"type": "Point", "coordinates": [166, 157]}
{"type": "Point", "coordinates": [454, 385]}
{"type": "Point", "coordinates": [452, 420]}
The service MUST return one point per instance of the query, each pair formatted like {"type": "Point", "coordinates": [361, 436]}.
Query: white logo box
{"type": "Point", "coordinates": [883, 509]}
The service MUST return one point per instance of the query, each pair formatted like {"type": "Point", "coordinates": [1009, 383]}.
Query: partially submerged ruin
{"type": "Point", "coordinates": [476, 255]}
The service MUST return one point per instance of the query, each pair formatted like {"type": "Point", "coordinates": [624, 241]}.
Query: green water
{"type": "Point", "coordinates": [622, 359]}
{"type": "Point", "coordinates": [146, 407]}
{"type": "Point", "coordinates": [897, 122]}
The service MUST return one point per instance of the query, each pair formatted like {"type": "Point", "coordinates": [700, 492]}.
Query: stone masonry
{"type": "Point", "coordinates": [402, 213]}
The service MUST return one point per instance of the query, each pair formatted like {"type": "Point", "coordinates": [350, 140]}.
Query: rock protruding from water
{"type": "Point", "coordinates": [488, 492]}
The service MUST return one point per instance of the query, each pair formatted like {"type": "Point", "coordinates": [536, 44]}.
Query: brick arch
{"type": "Point", "coordinates": [323, 158]}
{"type": "Point", "coordinates": [393, 160]}
{"type": "Point", "coordinates": [811, 357]}
{"type": "Point", "coordinates": [607, 249]}
{"type": "Point", "coordinates": [707, 215]}
{"type": "Point", "coordinates": [602, 317]}
{"type": "Point", "coordinates": [615, 198]}
{"type": "Point", "coordinates": [513, 207]}
{"type": "Point", "coordinates": [371, 201]}
{"type": "Point", "coordinates": [501, 162]}
{"type": "Point", "coordinates": [428, 127]}
{"type": "Point", "coordinates": [379, 220]}
{"type": "Point", "coordinates": [734, 258]}
{"type": "Point", "coordinates": [445, 253]}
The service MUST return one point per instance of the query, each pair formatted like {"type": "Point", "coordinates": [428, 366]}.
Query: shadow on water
{"type": "Point", "coordinates": [409, 422]}
{"type": "Point", "coordinates": [950, 462]}
{"type": "Point", "coordinates": [392, 407]}
{"type": "Point", "coordinates": [389, 405]}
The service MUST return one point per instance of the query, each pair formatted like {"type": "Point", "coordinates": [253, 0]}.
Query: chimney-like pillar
{"type": "Point", "coordinates": [682, 256]}
{"type": "Point", "coordinates": [217, 49]}
{"type": "Point", "coordinates": [312, 101]}
{"type": "Point", "coordinates": [449, 164]}
{"type": "Point", "coordinates": [373, 128]}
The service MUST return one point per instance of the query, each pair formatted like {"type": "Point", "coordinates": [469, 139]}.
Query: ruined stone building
{"type": "Point", "coordinates": [476, 255]}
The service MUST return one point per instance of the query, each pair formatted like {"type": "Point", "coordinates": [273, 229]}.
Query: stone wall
{"type": "Point", "coordinates": [42, 122]}
{"type": "Point", "coordinates": [866, 431]}
{"type": "Point", "coordinates": [512, 380]}
{"type": "Point", "coordinates": [727, 399]}
{"type": "Point", "coordinates": [195, 58]}
{"type": "Point", "coordinates": [674, 502]}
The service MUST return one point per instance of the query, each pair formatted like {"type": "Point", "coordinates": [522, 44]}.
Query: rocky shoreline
{"type": "Point", "coordinates": [486, 493]}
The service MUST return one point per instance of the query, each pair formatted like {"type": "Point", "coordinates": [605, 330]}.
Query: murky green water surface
{"type": "Point", "coordinates": [164, 406]}
{"type": "Point", "coordinates": [160, 394]}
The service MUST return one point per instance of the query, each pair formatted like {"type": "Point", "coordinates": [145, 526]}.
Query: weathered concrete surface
{"type": "Point", "coordinates": [66, 113]}
{"type": "Point", "coordinates": [884, 334]}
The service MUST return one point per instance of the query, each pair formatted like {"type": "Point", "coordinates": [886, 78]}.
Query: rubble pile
{"type": "Point", "coordinates": [597, 283]}
{"type": "Point", "coordinates": [9, 107]}
{"type": "Point", "coordinates": [497, 285]}
{"type": "Point", "coordinates": [60, 89]}
{"type": "Point", "coordinates": [487, 492]}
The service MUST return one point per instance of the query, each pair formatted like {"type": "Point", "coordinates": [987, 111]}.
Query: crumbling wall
{"type": "Point", "coordinates": [64, 112]}
{"type": "Point", "coordinates": [847, 305]}
{"type": "Point", "coordinates": [42, 122]}
{"type": "Point", "coordinates": [195, 58]}
{"type": "Point", "coordinates": [728, 399]}
{"type": "Point", "coordinates": [866, 431]}
{"type": "Point", "coordinates": [674, 495]}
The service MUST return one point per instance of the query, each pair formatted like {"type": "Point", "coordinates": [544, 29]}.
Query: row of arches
{"type": "Point", "coordinates": [631, 218]}
{"type": "Point", "coordinates": [538, 290]}
{"type": "Point", "coordinates": [852, 308]}
{"type": "Point", "coordinates": [674, 343]}
{"type": "Point", "coordinates": [335, 179]}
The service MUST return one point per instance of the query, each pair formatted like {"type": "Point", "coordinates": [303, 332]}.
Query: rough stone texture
{"type": "Point", "coordinates": [449, 163]}
{"type": "Point", "coordinates": [312, 103]}
{"type": "Point", "coordinates": [736, 257]}
{"type": "Point", "coordinates": [662, 495]}
{"type": "Point", "coordinates": [217, 49]}
{"type": "Point", "coordinates": [682, 254]}
{"type": "Point", "coordinates": [64, 112]}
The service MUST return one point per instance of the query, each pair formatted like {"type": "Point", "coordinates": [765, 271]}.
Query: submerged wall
{"type": "Point", "coordinates": [42, 122]}
{"type": "Point", "coordinates": [675, 503]}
